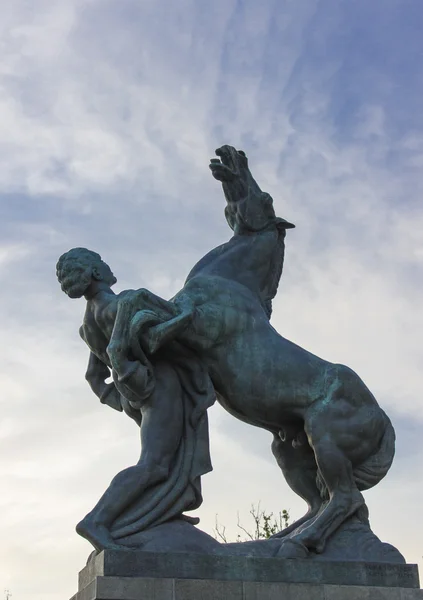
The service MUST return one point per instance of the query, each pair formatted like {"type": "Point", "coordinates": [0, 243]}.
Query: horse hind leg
{"type": "Point", "coordinates": [345, 499]}
{"type": "Point", "coordinates": [298, 465]}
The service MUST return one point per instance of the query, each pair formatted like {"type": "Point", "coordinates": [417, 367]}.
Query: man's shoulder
{"type": "Point", "coordinates": [126, 295]}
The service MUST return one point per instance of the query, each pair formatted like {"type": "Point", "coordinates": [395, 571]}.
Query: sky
{"type": "Point", "coordinates": [109, 113]}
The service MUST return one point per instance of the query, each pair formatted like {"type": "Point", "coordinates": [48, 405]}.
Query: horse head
{"type": "Point", "coordinates": [231, 168]}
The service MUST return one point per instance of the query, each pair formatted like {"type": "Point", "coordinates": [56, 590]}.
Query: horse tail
{"type": "Point", "coordinates": [375, 467]}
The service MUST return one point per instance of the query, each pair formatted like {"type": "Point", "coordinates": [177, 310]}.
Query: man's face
{"type": "Point", "coordinates": [76, 281]}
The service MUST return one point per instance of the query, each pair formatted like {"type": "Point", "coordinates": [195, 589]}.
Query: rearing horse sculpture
{"type": "Point", "coordinates": [330, 437]}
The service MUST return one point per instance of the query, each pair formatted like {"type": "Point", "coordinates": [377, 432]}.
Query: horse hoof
{"type": "Point", "coordinates": [292, 549]}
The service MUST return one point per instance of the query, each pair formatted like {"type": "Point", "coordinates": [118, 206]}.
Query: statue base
{"type": "Point", "coordinates": [136, 575]}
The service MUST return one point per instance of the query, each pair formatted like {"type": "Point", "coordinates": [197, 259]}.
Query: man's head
{"type": "Point", "coordinates": [77, 269]}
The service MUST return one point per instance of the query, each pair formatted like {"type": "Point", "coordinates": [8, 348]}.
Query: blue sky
{"type": "Point", "coordinates": [109, 113]}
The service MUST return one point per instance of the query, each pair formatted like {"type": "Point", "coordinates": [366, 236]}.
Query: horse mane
{"type": "Point", "coordinates": [274, 273]}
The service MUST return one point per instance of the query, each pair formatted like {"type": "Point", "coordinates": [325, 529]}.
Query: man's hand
{"type": "Point", "coordinates": [96, 375]}
{"type": "Point", "coordinates": [111, 397]}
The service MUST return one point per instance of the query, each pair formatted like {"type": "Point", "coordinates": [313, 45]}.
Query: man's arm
{"type": "Point", "coordinates": [96, 375]}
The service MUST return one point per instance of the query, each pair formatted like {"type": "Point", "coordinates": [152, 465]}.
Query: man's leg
{"type": "Point", "coordinates": [161, 433]}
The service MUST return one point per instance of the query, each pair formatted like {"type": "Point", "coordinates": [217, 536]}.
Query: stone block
{"type": "Point", "coordinates": [115, 563]}
{"type": "Point", "coordinates": [86, 593]}
{"type": "Point", "coordinates": [408, 594]}
{"type": "Point", "coordinates": [203, 589]}
{"type": "Point", "coordinates": [282, 591]}
{"type": "Point", "coordinates": [130, 588]}
{"type": "Point", "coordinates": [140, 588]}
{"type": "Point", "coordinates": [358, 592]}
{"type": "Point", "coordinates": [343, 592]}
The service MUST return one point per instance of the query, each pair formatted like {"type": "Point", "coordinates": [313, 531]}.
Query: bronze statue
{"type": "Point", "coordinates": [330, 437]}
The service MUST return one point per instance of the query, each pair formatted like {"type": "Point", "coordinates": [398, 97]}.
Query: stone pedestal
{"type": "Point", "coordinates": [132, 575]}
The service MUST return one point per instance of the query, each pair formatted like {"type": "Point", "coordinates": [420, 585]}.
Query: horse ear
{"type": "Point", "coordinates": [242, 153]}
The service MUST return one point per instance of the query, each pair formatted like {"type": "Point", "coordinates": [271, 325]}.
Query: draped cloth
{"type": "Point", "coordinates": [181, 492]}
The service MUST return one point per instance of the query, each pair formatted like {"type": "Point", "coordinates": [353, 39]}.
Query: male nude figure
{"type": "Point", "coordinates": [151, 397]}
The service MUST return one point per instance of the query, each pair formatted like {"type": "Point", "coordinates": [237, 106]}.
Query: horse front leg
{"type": "Point", "coordinates": [164, 332]}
